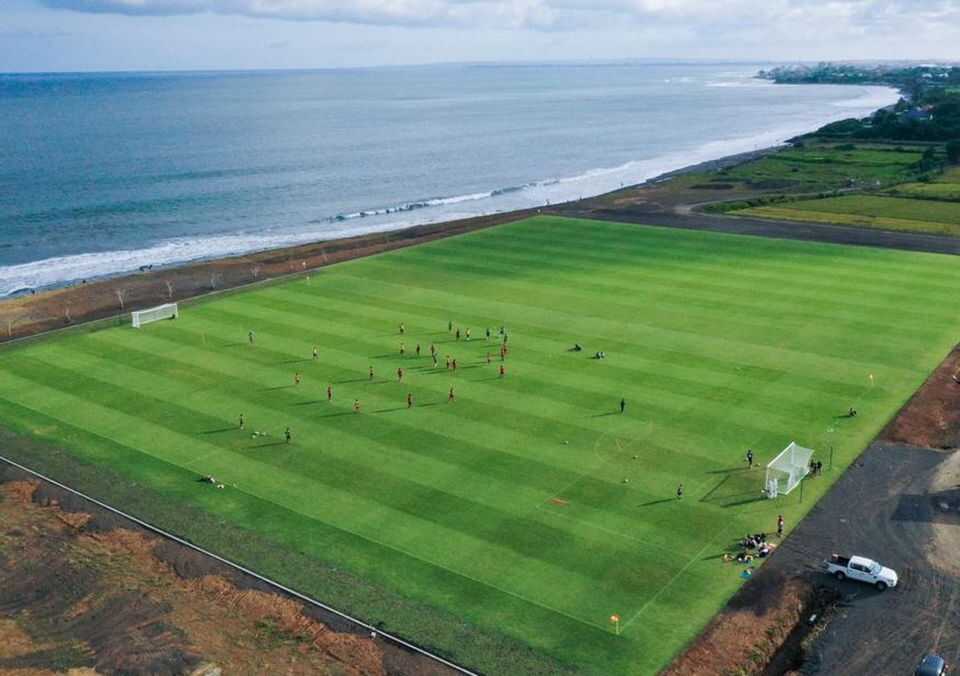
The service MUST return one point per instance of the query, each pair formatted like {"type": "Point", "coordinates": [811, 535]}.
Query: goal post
{"type": "Point", "coordinates": [154, 314]}
{"type": "Point", "coordinates": [787, 470]}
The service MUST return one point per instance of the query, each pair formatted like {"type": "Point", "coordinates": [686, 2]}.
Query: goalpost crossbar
{"type": "Point", "coordinates": [139, 318]}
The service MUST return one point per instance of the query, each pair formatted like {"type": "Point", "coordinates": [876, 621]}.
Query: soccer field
{"type": "Point", "coordinates": [529, 507]}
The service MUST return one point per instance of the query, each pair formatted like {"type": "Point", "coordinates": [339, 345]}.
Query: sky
{"type": "Point", "coordinates": [84, 35]}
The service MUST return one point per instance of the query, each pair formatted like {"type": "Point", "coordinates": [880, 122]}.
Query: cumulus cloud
{"type": "Point", "coordinates": [548, 14]}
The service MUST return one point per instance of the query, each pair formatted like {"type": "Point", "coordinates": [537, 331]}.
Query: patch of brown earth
{"type": "Point", "coordinates": [749, 631]}
{"type": "Point", "coordinates": [931, 418]}
{"type": "Point", "coordinates": [72, 598]}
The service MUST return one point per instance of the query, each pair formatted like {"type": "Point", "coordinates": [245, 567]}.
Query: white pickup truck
{"type": "Point", "coordinates": [861, 569]}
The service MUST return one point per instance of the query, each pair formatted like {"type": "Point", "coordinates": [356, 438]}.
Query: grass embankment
{"type": "Point", "coordinates": [528, 509]}
{"type": "Point", "coordinates": [872, 211]}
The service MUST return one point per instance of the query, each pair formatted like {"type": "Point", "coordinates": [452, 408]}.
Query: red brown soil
{"type": "Point", "coordinates": [84, 302]}
{"type": "Point", "coordinates": [748, 632]}
{"type": "Point", "coordinates": [103, 601]}
{"type": "Point", "coordinates": [931, 418]}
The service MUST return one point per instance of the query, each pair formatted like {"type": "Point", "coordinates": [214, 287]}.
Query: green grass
{"type": "Point", "coordinates": [717, 342]}
{"type": "Point", "coordinates": [891, 213]}
{"type": "Point", "coordinates": [820, 167]}
{"type": "Point", "coordinates": [945, 187]}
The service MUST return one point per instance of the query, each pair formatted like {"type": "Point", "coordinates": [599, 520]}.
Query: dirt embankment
{"type": "Point", "coordinates": [59, 308]}
{"type": "Point", "coordinates": [931, 419]}
{"type": "Point", "coordinates": [81, 595]}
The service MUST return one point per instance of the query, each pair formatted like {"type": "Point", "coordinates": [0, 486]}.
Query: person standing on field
{"type": "Point", "coordinates": [409, 399]}
{"type": "Point", "coordinates": [329, 393]}
{"type": "Point", "coordinates": [403, 349]}
{"type": "Point", "coordinates": [435, 362]}
{"type": "Point", "coordinates": [371, 373]}
{"type": "Point", "coordinates": [450, 396]}
{"type": "Point", "coordinates": [250, 337]}
{"type": "Point", "coordinates": [458, 334]}
{"type": "Point", "coordinates": [449, 326]}
{"type": "Point", "coordinates": [750, 458]}
{"type": "Point", "coordinates": [403, 329]}
{"type": "Point", "coordinates": [316, 353]}
{"type": "Point", "coordinates": [680, 492]}
{"type": "Point", "coordinates": [503, 371]}
{"type": "Point", "coordinates": [780, 525]}
{"type": "Point", "coordinates": [418, 350]}
{"type": "Point", "coordinates": [288, 435]}
{"type": "Point", "coordinates": [623, 405]}
{"type": "Point", "coordinates": [400, 375]}
{"type": "Point", "coordinates": [356, 405]}
{"type": "Point", "coordinates": [243, 422]}
{"type": "Point", "coordinates": [297, 378]}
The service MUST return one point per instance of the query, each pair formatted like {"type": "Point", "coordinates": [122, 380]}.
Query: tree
{"type": "Point", "coordinates": [953, 152]}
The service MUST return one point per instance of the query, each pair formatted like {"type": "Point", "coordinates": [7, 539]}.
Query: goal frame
{"type": "Point", "coordinates": [140, 318]}
{"type": "Point", "coordinates": [787, 470]}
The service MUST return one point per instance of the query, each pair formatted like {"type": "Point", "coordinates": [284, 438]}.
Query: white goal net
{"type": "Point", "coordinates": [787, 470]}
{"type": "Point", "coordinates": [154, 314]}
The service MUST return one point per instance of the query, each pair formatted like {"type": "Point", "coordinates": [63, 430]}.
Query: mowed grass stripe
{"type": "Point", "coordinates": [472, 439]}
{"type": "Point", "coordinates": [542, 354]}
{"type": "Point", "coordinates": [727, 285]}
{"type": "Point", "coordinates": [667, 249]}
{"type": "Point", "coordinates": [635, 332]}
{"type": "Point", "coordinates": [353, 485]}
{"type": "Point", "coordinates": [784, 267]}
{"type": "Point", "coordinates": [547, 347]}
{"type": "Point", "coordinates": [651, 403]}
{"type": "Point", "coordinates": [719, 322]}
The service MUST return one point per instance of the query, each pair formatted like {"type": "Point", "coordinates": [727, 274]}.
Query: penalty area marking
{"type": "Point", "coordinates": [673, 579]}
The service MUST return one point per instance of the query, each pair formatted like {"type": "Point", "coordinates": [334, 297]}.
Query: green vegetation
{"type": "Point", "coordinates": [527, 509]}
{"type": "Point", "coordinates": [817, 168]}
{"type": "Point", "coordinates": [944, 187]}
{"type": "Point", "coordinates": [874, 211]}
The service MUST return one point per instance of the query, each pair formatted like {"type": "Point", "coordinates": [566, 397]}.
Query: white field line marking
{"type": "Point", "coordinates": [670, 582]}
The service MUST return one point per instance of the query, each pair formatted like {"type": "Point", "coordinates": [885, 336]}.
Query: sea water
{"type": "Point", "coordinates": [104, 173]}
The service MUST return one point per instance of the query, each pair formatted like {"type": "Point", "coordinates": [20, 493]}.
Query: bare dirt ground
{"type": "Point", "coordinates": [898, 503]}
{"type": "Point", "coordinates": [82, 595]}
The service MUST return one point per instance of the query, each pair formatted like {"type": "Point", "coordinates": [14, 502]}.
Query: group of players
{"type": "Point", "coordinates": [451, 364]}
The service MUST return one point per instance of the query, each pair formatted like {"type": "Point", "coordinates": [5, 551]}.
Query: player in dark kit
{"type": "Point", "coordinates": [409, 399]}
{"type": "Point", "coordinates": [623, 405]}
{"type": "Point", "coordinates": [329, 392]}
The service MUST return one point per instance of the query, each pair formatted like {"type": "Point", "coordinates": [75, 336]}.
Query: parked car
{"type": "Point", "coordinates": [861, 569]}
{"type": "Point", "coordinates": [931, 665]}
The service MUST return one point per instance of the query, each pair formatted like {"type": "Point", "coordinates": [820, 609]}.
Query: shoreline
{"type": "Point", "coordinates": [59, 306]}
{"type": "Point", "coordinates": [60, 269]}
{"type": "Point", "coordinates": [515, 214]}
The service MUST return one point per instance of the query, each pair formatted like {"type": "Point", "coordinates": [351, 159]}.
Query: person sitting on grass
{"type": "Point", "coordinates": [852, 413]}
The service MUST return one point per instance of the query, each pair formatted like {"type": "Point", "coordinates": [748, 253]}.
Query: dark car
{"type": "Point", "coordinates": [931, 665]}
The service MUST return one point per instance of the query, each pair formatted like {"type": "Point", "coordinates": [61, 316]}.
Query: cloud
{"type": "Point", "coordinates": [500, 13]}
{"type": "Point", "coordinates": [698, 15]}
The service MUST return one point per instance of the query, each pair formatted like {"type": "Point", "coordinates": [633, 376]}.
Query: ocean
{"type": "Point", "coordinates": [103, 173]}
